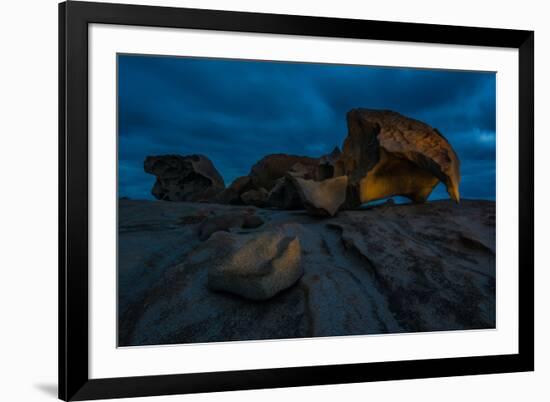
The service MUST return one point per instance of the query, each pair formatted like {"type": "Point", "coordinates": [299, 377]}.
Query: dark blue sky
{"type": "Point", "coordinates": [237, 111]}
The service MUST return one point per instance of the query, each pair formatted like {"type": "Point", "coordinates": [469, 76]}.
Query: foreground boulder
{"type": "Point", "coordinates": [387, 154]}
{"type": "Point", "coordinates": [322, 198]}
{"type": "Point", "coordinates": [256, 267]}
{"type": "Point", "coordinates": [183, 178]}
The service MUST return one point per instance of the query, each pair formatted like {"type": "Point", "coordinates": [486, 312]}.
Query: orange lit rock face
{"type": "Point", "coordinates": [387, 154]}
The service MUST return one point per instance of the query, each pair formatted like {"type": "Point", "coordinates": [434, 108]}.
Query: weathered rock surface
{"type": "Point", "coordinates": [387, 269]}
{"type": "Point", "coordinates": [257, 198]}
{"type": "Point", "coordinates": [327, 164]}
{"type": "Point", "coordinates": [254, 266]}
{"type": "Point", "coordinates": [266, 172]}
{"type": "Point", "coordinates": [284, 195]}
{"type": "Point", "coordinates": [183, 178]}
{"type": "Point", "coordinates": [232, 194]}
{"type": "Point", "coordinates": [227, 221]}
{"type": "Point", "coordinates": [322, 198]}
{"type": "Point", "coordinates": [387, 154]}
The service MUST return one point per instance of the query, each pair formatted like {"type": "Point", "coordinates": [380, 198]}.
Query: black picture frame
{"type": "Point", "coordinates": [74, 381]}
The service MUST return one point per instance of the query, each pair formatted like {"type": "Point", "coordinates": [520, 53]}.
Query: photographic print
{"type": "Point", "coordinates": [273, 200]}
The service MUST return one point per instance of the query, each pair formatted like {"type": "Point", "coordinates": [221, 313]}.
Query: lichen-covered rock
{"type": "Point", "coordinates": [256, 267]}
{"type": "Point", "coordinates": [183, 178]}
{"type": "Point", "coordinates": [387, 154]}
{"type": "Point", "coordinates": [322, 198]}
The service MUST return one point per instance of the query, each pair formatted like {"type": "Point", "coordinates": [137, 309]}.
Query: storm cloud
{"type": "Point", "coordinates": [237, 111]}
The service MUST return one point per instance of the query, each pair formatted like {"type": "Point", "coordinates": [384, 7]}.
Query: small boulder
{"type": "Point", "coordinates": [322, 198]}
{"type": "Point", "coordinates": [219, 223]}
{"type": "Point", "coordinates": [255, 266]}
{"type": "Point", "coordinates": [209, 225]}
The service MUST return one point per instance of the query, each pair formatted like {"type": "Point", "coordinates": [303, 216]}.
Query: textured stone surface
{"type": "Point", "coordinates": [254, 266]}
{"type": "Point", "coordinates": [232, 194]}
{"type": "Point", "coordinates": [284, 195]}
{"type": "Point", "coordinates": [322, 198]}
{"type": "Point", "coordinates": [327, 164]}
{"type": "Point", "coordinates": [225, 222]}
{"type": "Point", "coordinates": [270, 168]}
{"type": "Point", "coordinates": [387, 269]}
{"type": "Point", "coordinates": [257, 198]}
{"type": "Point", "coordinates": [387, 154]}
{"type": "Point", "coordinates": [183, 178]}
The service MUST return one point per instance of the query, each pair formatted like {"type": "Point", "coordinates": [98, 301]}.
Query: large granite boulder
{"type": "Point", "coordinates": [322, 198]}
{"type": "Point", "coordinates": [183, 178]}
{"type": "Point", "coordinates": [387, 154]}
{"type": "Point", "coordinates": [256, 267]}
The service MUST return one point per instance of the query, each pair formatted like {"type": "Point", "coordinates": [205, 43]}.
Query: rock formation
{"type": "Point", "coordinates": [183, 178]}
{"type": "Point", "coordinates": [327, 164]}
{"type": "Point", "coordinates": [322, 198]}
{"type": "Point", "coordinates": [256, 267]}
{"type": "Point", "coordinates": [387, 154]}
{"type": "Point", "coordinates": [270, 168]}
{"type": "Point", "coordinates": [257, 198]}
{"type": "Point", "coordinates": [284, 195]}
{"type": "Point", "coordinates": [232, 194]}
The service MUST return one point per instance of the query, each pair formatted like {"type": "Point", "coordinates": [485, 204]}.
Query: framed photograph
{"type": "Point", "coordinates": [256, 200]}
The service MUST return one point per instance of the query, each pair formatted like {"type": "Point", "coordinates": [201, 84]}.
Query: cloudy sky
{"type": "Point", "coordinates": [235, 112]}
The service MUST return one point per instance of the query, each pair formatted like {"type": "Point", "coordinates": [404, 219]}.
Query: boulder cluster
{"type": "Point", "coordinates": [385, 154]}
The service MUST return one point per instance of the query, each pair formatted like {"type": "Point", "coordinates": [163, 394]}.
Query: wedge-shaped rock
{"type": "Point", "coordinates": [322, 198]}
{"type": "Point", "coordinates": [255, 266]}
{"type": "Point", "coordinates": [387, 154]}
{"type": "Point", "coordinates": [183, 178]}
